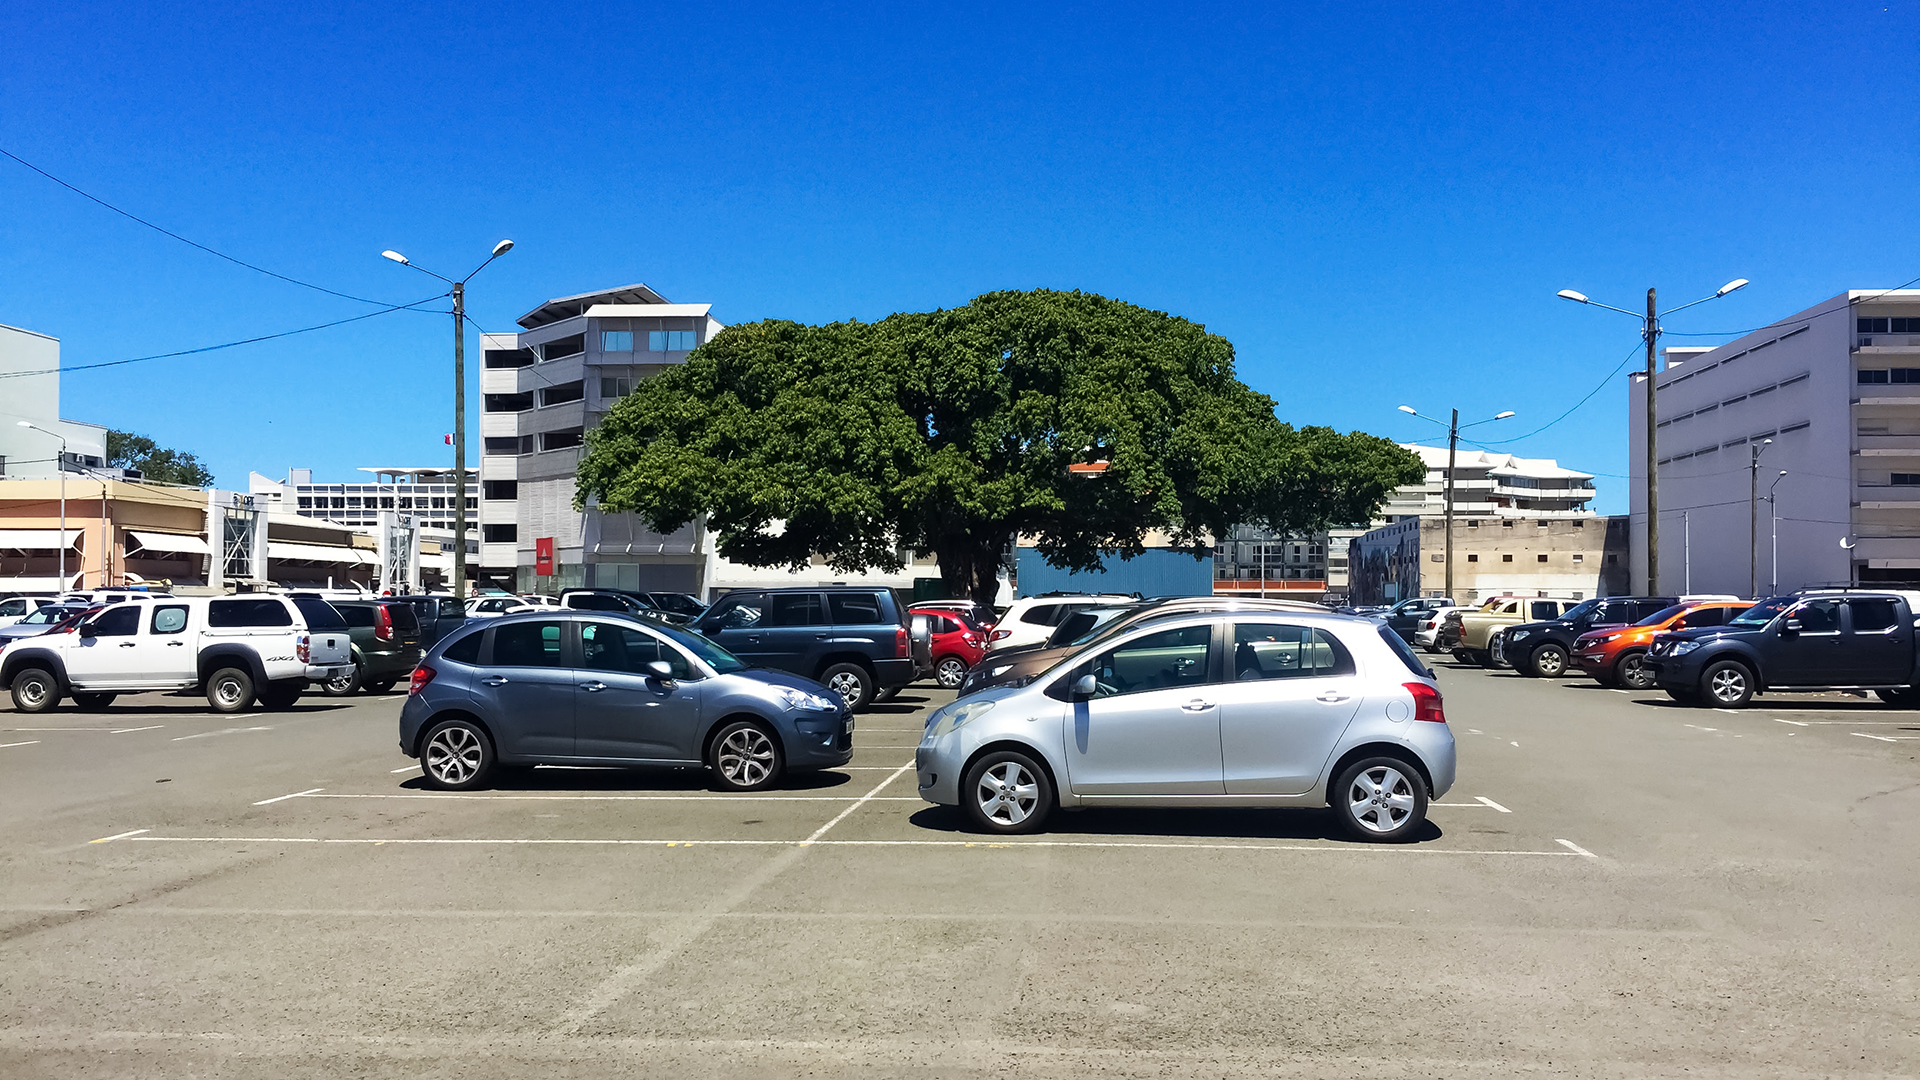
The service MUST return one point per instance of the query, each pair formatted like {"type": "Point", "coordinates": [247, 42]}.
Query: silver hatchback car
{"type": "Point", "coordinates": [1257, 709]}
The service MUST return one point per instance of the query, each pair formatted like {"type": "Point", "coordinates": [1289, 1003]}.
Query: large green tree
{"type": "Point", "coordinates": [951, 432]}
{"type": "Point", "coordinates": [125, 450]}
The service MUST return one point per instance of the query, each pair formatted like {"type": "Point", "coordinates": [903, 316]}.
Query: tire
{"type": "Point", "coordinates": [282, 695]}
{"type": "Point", "coordinates": [950, 672]}
{"type": "Point", "coordinates": [1726, 685]}
{"type": "Point", "coordinates": [381, 686]}
{"type": "Point", "coordinates": [456, 755]}
{"type": "Point", "coordinates": [93, 702]}
{"type": "Point", "coordinates": [230, 690]}
{"type": "Point", "coordinates": [1905, 697]}
{"type": "Point", "coordinates": [1484, 657]}
{"type": "Point", "coordinates": [1684, 697]}
{"type": "Point", "coordinates": [1632, 672]}
{"type": "Point", "coordinates": [852, 682]}
{"type": "Point", "coordinates": [344, 685]}
{"type": "Point", "coordinates": [1549, 661]}
{"type": "Point", "coordinates": [1380, 800]}
{"type": "Point", "coordinates": [745, 756]}
{"type": "Point", "coordinates": [888, 694]}
{"type": "Point", "coordinates": [35, 690]}
{"type": "Point", "coordinates": [1462, 656]}
{"type": "Point", "coordinates": [1006, 792]}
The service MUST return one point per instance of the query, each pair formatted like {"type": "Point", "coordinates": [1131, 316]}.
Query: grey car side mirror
{"type": "Point", "coordinates": [661, 670]}
{"type": "Point", "coordinates": [1085, 687]}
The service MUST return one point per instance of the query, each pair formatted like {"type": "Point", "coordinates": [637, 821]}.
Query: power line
{"type": "Point", "coordinates": [224, 345]}
{"type": "Point", "coordinates": [1788, 321]}
{"type": "Point", "coordinates": [1576, 405]}
{"type": "Point", "coordinates": [190, 243]}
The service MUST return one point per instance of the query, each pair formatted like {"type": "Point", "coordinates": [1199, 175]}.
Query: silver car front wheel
{"type": "Point", "coordinates": [1007, 792]}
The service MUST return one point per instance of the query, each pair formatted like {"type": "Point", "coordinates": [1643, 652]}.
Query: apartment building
{"type": "Point", "coordinates": [1487, 484]}
{"type": "Point", "coordinates": [425, 493]}
{"type": "Point", "coordinates": [1829, 395]}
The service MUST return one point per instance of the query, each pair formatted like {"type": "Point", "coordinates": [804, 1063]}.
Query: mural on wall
{"type": "Point", "coordinates": [1384, 569]}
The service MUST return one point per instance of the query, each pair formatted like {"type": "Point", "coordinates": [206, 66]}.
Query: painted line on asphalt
{"type": "Point", "coordinates": [409, 768]}
{"type": "Point", "coordinates": [862, 801]}
{"type": "Point", "coordinates": [1887, 738]}
{"type": "Point", "coordinates": [1575, 848]}
{"type": "Point", "coordinates": [1369, 849]}
{"type": "Point", "coordinates": [125, 730]}
{"type": "Point", "coordinates": [29, 742]}
{"type": "Point", "coordinates": [284, 798]}
{"type": "Point", "coordinates": [1795, 723]}
{"type": "Point", "coordinates": [222, 731]}
{"type": "Point", "coordinates": [118, 836]}
{"type": "Point", "coordinates": [56, 729]}
{"type": "Point", "coordinates": [1490, 802]}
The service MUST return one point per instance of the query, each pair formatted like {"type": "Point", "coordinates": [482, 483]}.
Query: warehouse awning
{"type": "Point", "coordinates": [36, 539]}
{"type": "Point", "coordinates": [319, 553]}
{"type": "Point", "coordinates": [170, 543]}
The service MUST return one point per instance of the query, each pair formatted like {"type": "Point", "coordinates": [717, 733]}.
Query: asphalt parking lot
{"type": "Point", "coordinates": [1617, 886]}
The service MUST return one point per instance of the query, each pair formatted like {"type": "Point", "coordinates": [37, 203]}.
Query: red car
{"type": "Point", "coordinates": [958, 643]}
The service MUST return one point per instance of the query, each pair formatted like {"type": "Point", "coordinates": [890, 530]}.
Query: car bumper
{"type": "Point", "coordinates": [936, 765]}
{"type": "Point", "coordinates": [323, 672]}
{"type": "Point", "coordinates": [821, 744]}
{"type": "Point", "coordinates": [1674, 673]}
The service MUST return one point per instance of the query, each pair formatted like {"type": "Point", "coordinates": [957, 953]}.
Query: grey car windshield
{"type": "Point", "coordinates": [1763, 612]}
{"type": "Point", "coordinates": [711, 654]}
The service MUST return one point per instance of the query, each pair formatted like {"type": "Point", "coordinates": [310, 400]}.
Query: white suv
{"type": "Point", "coordinates": [239, 649]}
{"type": "Point", "coordinates": [15, 608]}
{"type": "Point", "coordinates": [1031, 619]}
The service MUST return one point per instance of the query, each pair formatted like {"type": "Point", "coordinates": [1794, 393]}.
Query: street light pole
{"type": "Point", "coordinates": [1453, 444]}
{"type": "Point", "coordinates": [1753, 518]}
{"type": "Point", "coordinates": [61, 540]}
{"type": "Point", "coordinates": [459, 293]}
{"type": "Point", "coordinates": [1650, 330]}
{"type": "Point", "coordinates": [1773, 524]}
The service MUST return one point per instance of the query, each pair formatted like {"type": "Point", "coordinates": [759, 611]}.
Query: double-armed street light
{"type": "Point", "coordinates": [1454, 427]}
{"type": "Point", "coordinates": [1650, 330]}
{"type": "Point", "coordinates": [1773, 523]}
{"type": "Point", "coordinates": [61, 542]}
{"type": "Point", "coordinates": [459, 407]}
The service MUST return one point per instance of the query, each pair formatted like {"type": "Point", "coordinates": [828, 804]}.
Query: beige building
{"type": "Point", "coordinates": [1571, 557]}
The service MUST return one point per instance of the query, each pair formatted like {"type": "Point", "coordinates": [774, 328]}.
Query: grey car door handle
{"type": "Point", "coordinates": [593, 687]}
{"type": "Point", "coordinates": [1332, 696]}
{"type": "Point", "coordinates": [1198, 705]}
{"type": "Point", "coordinates": [494, 680]}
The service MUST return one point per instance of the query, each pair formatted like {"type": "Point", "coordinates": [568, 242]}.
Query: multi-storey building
{"type": "Point", "coordinates": [427, 494]}
{"type": "Point", "coordinates": [1829, 395]}
{"type": "Point", "coordinates": [1487, 484]}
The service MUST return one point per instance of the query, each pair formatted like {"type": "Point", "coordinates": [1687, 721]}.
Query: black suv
{"type": "Point", "coordinates": [1854, 639]}
{"type": "Point", "coordinates": [858, 641]}
{"type": "Point", "coordinates": [1543, 648]}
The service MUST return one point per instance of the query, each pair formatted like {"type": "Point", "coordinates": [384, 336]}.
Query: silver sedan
{"type": "Point", "coordinates": [1253, 709]}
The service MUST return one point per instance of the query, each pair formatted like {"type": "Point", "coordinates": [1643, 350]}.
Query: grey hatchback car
{"type": "Point", "coordinates": [1229, 709]}
{"type": "Point", "coordinates": [607, 688]}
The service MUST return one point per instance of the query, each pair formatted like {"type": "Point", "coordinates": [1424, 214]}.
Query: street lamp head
{"type": "Point", "coordinates": [1578, 297]}
{"type": "Point", "coordinates": [26, 423]}
{"type": "Point", "coordinates": [1736, 283]}
{"type": "Point", "coordinates": [1783, 472]}
{"type": "Point", "coordinates": [505, 246]}
{"type": "Point", "coordinates": [396, 257]}
{"type": "Point", "coordinates": [1503, 416]}
{"type": "Point", "coordinates": [1409, 410]}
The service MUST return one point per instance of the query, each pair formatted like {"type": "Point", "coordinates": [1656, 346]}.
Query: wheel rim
{"type": "Point", "coordinates": [1728, 684]}
{"type": "Point", "coordinates": [1550, 661]}
{"type": "Point", "coordinates": [340, 684]}
{"type": "Point", "coordinates": [746, 756]}
{"type": "Point", "coordinates": [1635, 672]}
{"type": "Point", "coordinates": [847, 685]}
{"type": "Point", "coordinates": [1007, 793]}
{"type": "Point", "coordinates": [453, 755]}
{"type": "Point", "coordinates": [33, 693]}
{"type": "Point", "coordinates": [228, 691]}
{"type": "Point", "coordinates": [952, 672]}
{"type": "Point", "coordinates": [1381, 799]}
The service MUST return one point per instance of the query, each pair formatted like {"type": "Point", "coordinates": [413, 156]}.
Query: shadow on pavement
{"type": "Point", "coordinates": [548, 778]}
{"type": "Point", "coordinates": [1197, 824]}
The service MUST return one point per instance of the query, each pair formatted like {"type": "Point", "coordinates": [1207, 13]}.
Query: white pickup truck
{"type": "Point", "coordinates": [238, 649]}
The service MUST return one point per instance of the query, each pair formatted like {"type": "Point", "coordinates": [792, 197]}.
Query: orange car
{"type": "Point", "coordinates": [1613, 655]}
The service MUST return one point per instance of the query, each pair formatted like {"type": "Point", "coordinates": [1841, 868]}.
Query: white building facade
{"type": "Point", "coordinates": [1831, 395]}
{"type": "Point", "coordinates": [30, 391]}
{"type": "Point", "coordinates": [1493, 485]}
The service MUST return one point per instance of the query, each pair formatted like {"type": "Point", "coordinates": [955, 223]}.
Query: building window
{"type": "Point", "coordinates": [1613, 560]}
{"type": "Point", "coordinates": [500, 489]}
{"type": "Point", "coordinates": [616, 341]}
{"type": "Point", "coordinates": [612, 387]}
{"type": "Point", "coordinates": [406, 502]}
{"type": "Point", "coordinates": [560, 395]}
{"type": "Point", "coordinates": [497, 403]}
{"type": "Point", "coordinates": [1875, 376]}
{"type": "Point", "coordinates": [1906, 479]}
{"type": "Point", "coordinates": [508, 358]}
{"type": "Point", "coordinates": [1507, 524]}
{"type": "Point", "coordinates": [1506, 558]}
{"type": "Point", "coordinates": [499, 534]}
{"type": "Point", "coordinates": [566, 346]}
{"type": "Point", "coordinates": [1473, 523]}
{"type": "Point", "coordinates": [1889, 326]}
{"type": "Point", "coordinates": [1473, 558]}
{"type": "Point", "coordinates": [1435, 557]}
{"type": "Point", "coordinates": [671, 340]}
{"type": "Point", "coordinates": [305, 503]}
{"type": "Point", "coordinates": [1543, 558]}
{"type": "Point", "coordinates": [1580, 524]}
{"type": "Point", "coordinates": [560, 440]}
{"type": "Point", "coordinates": [338, 504]}
{"type": "Point", "coordinates": [439, 504]}
{"type": "Point", "coordinates": [1579, 558]}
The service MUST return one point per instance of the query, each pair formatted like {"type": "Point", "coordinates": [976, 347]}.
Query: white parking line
{"type": "Point", "coordinates": [1490, 802]}
{"type": "Point", "coordinates": [284, 798]}
{"type": "Point", "coordinates": [1887, 738]}
{"type": "Point", "coordinates": [29, 742]}
{"type": "Point", "coordinates": [1368, 849]}
{"type": "Point", "coordinates": [862, 801]}
{"type": "Point", "coordinates": [118, 836]}
{"type": "Point", "coordinates": [222, 731]}
{"type": "Point", "coordinates": [1575, 848]}
{"type": "Point", "coordinates": [409, 768]}
{"type": "Point", "coordinates": [1795, 723]}
{"type": "Point", "coordinates": [124, 730]}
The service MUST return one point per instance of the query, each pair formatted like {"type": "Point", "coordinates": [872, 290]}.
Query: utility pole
{"type": "Point", "coordinates": [1651, 332]}
{"type": "Point", "coordinates": [1686, 549]}
{"type": "Point", "coordinates": [1773, 523]}
{"type": "Point", "coordinates": [459, 441]}
{"type": "Point", "coordinates": [1753, 518]}
{"type": "Point", "coordinates": [1453, 445]}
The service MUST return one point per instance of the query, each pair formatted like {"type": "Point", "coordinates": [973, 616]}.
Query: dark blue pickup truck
{"type": "Point", "coordinates": [1827, 639]}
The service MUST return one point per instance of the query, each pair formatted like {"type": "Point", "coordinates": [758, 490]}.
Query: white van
{"type": "Point", "coordinates": [238, 649]}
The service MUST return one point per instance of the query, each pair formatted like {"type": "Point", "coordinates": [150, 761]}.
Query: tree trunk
{"type": "Point", "coordinates": [970, 568]}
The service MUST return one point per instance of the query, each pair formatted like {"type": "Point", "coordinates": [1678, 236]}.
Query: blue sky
{"type": "Point", "coordinates": [1375, 204]}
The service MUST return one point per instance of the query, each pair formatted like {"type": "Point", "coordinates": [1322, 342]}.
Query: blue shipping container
{"type": "Point", "coordinates": [1155, 572]}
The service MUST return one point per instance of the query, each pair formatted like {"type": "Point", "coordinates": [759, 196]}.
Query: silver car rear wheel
{"type": "Point", "coordinates": [1380, 799]}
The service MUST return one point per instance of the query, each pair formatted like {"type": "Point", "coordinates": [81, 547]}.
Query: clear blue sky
{"type": "Point", "coordinates": [1375, 205]}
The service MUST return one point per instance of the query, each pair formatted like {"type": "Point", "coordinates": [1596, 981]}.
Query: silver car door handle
{"type": "Point", "coordinates": [494, 680]}
{"type": "Point", "coordinates": [593, 687]}
{"type": "Point", "coordinates": [1198, 705]}
{"type": "Point", "coordinates": [1332, 696]}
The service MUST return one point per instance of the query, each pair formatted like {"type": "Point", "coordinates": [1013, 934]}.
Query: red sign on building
{"type": "Point", "coordinates": [543, 556]}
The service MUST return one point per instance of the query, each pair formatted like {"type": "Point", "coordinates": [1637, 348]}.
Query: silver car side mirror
{"type": "Point", "coordinates": [1085, 687]}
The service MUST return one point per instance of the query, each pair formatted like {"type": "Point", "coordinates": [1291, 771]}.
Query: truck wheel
{"type": "Point", "coordinates": [1462, 656]}
{"type": "Point", "coordinates": [381, 686]}
{"type": "Point", "coordinates": [35, 690]}
{"type": "Point", "coordinates": [1549, 661]}
{"type": "Point", "coordinates": [1727, 684]}
{"type": "Point", "coordinates": [1632, 671]}
{"type": "Point", "coordinates": [852, 682]}
{"type": "Point", "coordinates": [230, 690]}
{"type": "Point", "coordinates": [93, 702]}
{"type": "Point", "coordinates": [343, 684]}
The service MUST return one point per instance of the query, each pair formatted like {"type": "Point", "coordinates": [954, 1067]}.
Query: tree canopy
{"type": "Point", "coordinates": [125, 450]}
{"type": "Point", "coordinates": [951, 432]}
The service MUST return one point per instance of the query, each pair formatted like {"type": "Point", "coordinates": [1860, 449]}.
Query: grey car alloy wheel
{"type": "Point", "coordinates": [951, 673]}
{"type": "Point", "coordinates": [745, 757]}
{"type": "Point", "coordinates": [453, 755]}
{"type": "Point", "coordinates": [1007, 793]}
{"type": "Point", "coordinates": [1381, 798]}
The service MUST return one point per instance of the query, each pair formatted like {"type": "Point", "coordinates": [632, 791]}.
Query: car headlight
{"type": "Point", "coordinates": [800, 699]}
{"type": "Point", "coordinates": [949, 717]}
{"type": "Point", "coordinates": [996, 672]}
{"type": "Point", "coordinates": [1681, 648]}
{"type": "Point", "coordinates": [1516, 635]}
